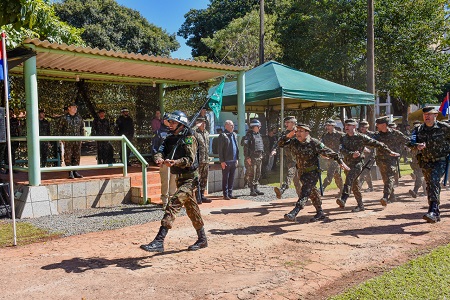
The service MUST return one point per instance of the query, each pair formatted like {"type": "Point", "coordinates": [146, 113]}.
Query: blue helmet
{"type": "Point", "coordinates": [255, 122]}
{"type": "Point", "coordinates": [177, 116]}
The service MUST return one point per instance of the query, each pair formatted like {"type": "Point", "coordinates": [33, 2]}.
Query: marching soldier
{"type": "Point", "coordinates": [202, 137]}
{"type": "Point", "coordinates": [253, 153]}
{"type": "Point", "coordinates": [352, 148]}
{"type": "Point", "coordinates": [417, 171]}
{"type": "Point", "coordinates": [289, 162]}
{"type": "Point", "coordinates": [332, 139]}
{"type": "Point", "coordinates": [184, 165]}
{"type": "Point", "coordinates": [102, 127]}
{"type": "Point", "coordinates": [44, 130]}
{"type": "Point", "coordinates": [388, 165]}
{"type": "Point", "coordinates": [366, 174]}
{"type": "Point", "coordinates": [306, 151]}
{"type": "Point", "coordinates": [432, 140]}
{"type": "Point", "coordinates": [72, 125]}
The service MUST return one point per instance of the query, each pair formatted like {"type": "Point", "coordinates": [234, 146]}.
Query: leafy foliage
{"type": "Point", "coordinates": [111, 26]}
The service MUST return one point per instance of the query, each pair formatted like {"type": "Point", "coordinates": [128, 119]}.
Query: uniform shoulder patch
{"type": "Point", "coordinates": [188, 140]}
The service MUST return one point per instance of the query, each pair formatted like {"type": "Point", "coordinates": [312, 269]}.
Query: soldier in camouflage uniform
{"type": "Point", "coordinates": [184, 165]}
{"type": "Point", "coordinates": [202, 137]}
{"type": "Point", "coordinates": [417, 174]}
{"type": "Point", "coordinates": [102, 127]}
{"type": "Point", "coordinates": [366, 174]}
{"type": "Point", "coordinates": [44, 130]}
{"type": "Point", "coordinates": [253, 153]}
{"type": "Point", "coordinates": [332, 139]}
{"type": "Point", "coordinates": [352, 148]}
{"type": "Point", "coordinates": [432, 140]}
{"type": "Point", "coordinates": [306, 151]}
{"type": "Point", "coordinates": [72, 125]}
{"type": "Point", "coordinates": [388, 165]}
{"type": "Point", "coordinates": [290, 170]}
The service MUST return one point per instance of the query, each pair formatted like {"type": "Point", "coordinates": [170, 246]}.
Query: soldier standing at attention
{"type": "Point", "coordinates": [306, 151]}
{"type": "Point", "coordinates": [289, 162]}
{"type": "Point", "coordinates": [102, 127]}
{"type": "Point", "coordinates": [432, 140]}
{"type": "Point", "coordinates": [202, 137]}
{"type": "Point", "coordinates": [366, 174]}
{"type": "Point", "coordinates": [253, 153]}
{"type": "Point", "coordinates": [388, 165]}
{"type": "Point", "coordinates": [417, 174]}
{"type": "Point", "coordinates": [332, 139]}
{"type": "Point", "coordinates": [72, 125]}
{"type": "Point", "coordinates": [125, 126]}
{"type": "Point", "coordinates": [184, 165]}
{"type": "Point", "coordinates": [352, 148]}
{"type": "Point", "coordinates": [44, 130]}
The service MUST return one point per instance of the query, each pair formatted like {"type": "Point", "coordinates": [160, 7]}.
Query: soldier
{"type": "Point", "coordinates": [72, 125]}
{"type": "Point", "coordinates": [366, 174]}
{"type": "Point", "coordinates": [253, 153]}
{"type": "Point", "coordinates": [432, 140]}
{"type": "Point", "coordinates": [289, 162]}
{"type": "Point", "coordinates": [102, 127]}
{"type": "Point", "coordinates": [417, 171]}
{"type": "Point", "coordinates": [203, 114]}
{"type": "Point", "coordinates": [125, 126]}
{"type": "Point", "coordinates": [202, 137]}
{"type": "Point", "coordinates": [306, 151]}
{"type": "Point", "coordinates": [246, 162]}
{"type": "Point", "coordinates": [184, 164]}
{"type": "Point", "coordinates": [44, 130]}
{"type": "Point", "coordinates": [352, 148]}
{"type": "Point", "coordinates": [332, 139]}
{"type": "Point", "coordinates": [388, 165]}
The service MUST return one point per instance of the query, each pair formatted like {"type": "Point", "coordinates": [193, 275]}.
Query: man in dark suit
{"type": "Point", "coordinates": [228, 157]}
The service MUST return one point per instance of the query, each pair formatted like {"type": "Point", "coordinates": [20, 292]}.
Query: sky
{"type": "Point", "coordinates": [169, 15]}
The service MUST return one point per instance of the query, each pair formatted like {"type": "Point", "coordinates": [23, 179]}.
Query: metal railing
{"type": "Point", "coordinates": [124, 143]}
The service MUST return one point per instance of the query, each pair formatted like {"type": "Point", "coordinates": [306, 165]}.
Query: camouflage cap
{"type": "Point", "coordinates": [330, 122]}
{"type": "Point", "coordinates": [392, 125]}
{"type": "Point", "coordinates": [290, 119]}
{"type": "Point", "coordinates": [430, 110]}
{"type": "Point", "coordinates": [382, 120]}
{"type": "Point", "coordinates": [363, 123]}
{"type": "Point", "coordinates": [304, 126]}
{"type": "Point", "coordinates": [416, 123]}
{"type": "Point", "coordinates": [350, 122]}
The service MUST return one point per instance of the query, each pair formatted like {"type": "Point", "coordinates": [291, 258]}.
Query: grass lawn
{"type": "Point", "coordinates": [26, 234]}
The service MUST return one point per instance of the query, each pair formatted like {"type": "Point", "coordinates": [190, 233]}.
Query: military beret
{"type": "Point", "coordinates": [290, 119]}
{"type": "Point", "coordinates": [382, 120]}
{"type": "Point", "coordinates": [430, 110]}
{"type": "Point", "coordinates": [392, 125]}
{"type": "Point", "coordinates": [350, 122]}
{"type": "Point", "coordinates": [304, 126]}
{"type": "Point", "coordinates": [330, 122]}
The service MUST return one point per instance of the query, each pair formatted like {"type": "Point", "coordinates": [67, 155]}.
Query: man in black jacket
{"type": "Point", "coordinates": [125, 126]}
{"type": "Point", "coordinates": [228, 157]}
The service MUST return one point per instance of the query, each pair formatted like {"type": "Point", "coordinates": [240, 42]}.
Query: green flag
{"type": "Point", "coordinates": [215, 101]}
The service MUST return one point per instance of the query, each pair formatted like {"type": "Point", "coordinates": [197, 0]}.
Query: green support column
{"type": "Point", "coordinates": [31, 95]}
{"type": "Point", "coordinates": [241, 113]}
{"type": "Point", "coordinates": [162, 86]}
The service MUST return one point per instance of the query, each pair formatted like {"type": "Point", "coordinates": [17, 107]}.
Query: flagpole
{"type": "Point", "coordinates": [448, 107]}
{"type": "Point", "coordinates": [8, 137]}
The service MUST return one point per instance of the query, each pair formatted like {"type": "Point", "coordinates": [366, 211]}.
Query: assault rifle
{"type": "Point", "coordinates": [367, 166]}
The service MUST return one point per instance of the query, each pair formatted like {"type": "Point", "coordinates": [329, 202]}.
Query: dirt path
{"type": "Point", "coordinates": [253, 254]}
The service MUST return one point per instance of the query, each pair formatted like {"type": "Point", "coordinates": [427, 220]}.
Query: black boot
{"type": "Point", "coordinates": [257, 191]}
{"type": "Point", "coordinates": [198, 197]}
{"type": "Point", "coordinates": [433, 215]}
{"type": "Point", "coordinates": [252, 191]}
{"type": "Point", "coordinates": [71, 176]}
{"type": "Point", "coordinates": [201, 242]}
{"type": "Point", "coordinates": [344, 196]}
{"type": "Point", "coordinates": [360, 206]}
{"type": "Point", "coordinates": [293, 213]}
{"type": "Point", "coordinates": [384, 200]}
{"type": "Point", "coordinates": [279, 191]}
{"type": "Point", "coordinates": [77, 175]}
{"type": "Point", "coordinates": [319, 215]}
{"type": "Point", "coordinates": [157, 245]}
{"type": "Point", "coordinates": [204, 199]}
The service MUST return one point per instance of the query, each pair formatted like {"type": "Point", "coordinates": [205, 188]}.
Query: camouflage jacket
{"type": "Point", "coordinates": [307, 153]}
{"type": "Point", "coordinates": [394, 139]}
{"type": "Point", "coordinates": [436, 139]}
{"type": "Point", "coordinates": [357, 142]}
{"type": "Point", "coordinates": [332, 140]}
{"type": "Point", "coordinates": [287, 152]}
{"type": "Point", "coordinates": [202, 138]}
{"type": "Point", "coordinates": [71, 125]}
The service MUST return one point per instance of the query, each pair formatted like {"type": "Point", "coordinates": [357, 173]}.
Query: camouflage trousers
{"type": "Point", "coordinates": [366, 176]}
{"type": "Point", "coordinates": [254, 170]}
{"type": "Point", "coordinates": [72, 153]}
{"type": "Point", "coordinates": [433, 172]}
{"type": "Point", "coordinates": [203, 169]}
{"type": "Point", "coordinates": [333, 171]}
{"type": "Point", "coordinates": [418, 181]}
{"type": "Point", "coordinates": [309, 188]}
{"type": "Point", "coordinates": [388, 169]}
{"type": "Point", "coordinates": [351, 181]}
{"type": "Point", "coordinates": [290, 170]}
{"type": "Point", "coordinates": [183, 196]}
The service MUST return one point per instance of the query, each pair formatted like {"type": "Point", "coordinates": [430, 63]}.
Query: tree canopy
{"type": "Point", "coordinates": [111, 26]}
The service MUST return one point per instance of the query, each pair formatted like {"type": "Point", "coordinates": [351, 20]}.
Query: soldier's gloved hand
{"type": "Point", "coordinates": [356, 154]}
{"type": "Point", "coordinates": [395, 154]}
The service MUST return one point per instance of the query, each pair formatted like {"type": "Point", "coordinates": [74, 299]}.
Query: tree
{"type": "Point", "coordinates": [111, 26]}
{"type": "Point", "coordinates": [35, 19]}
{"type": "Point", "coordinates": [238, 42]}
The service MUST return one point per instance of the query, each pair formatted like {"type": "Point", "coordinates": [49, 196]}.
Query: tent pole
{"type": "Point", "coordinates": [282, 150]}
{"type": "Point", "coordinates": [241, 114]}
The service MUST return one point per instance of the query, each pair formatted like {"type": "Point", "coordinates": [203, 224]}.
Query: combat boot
{"type": "Point", "coordinates": [384, 200]}
{"type": "Point", "coordinates": [201, 242]}
{"type": "Point", "coordinates": [344, 196]}
{"type": "Point", "coordinates": [252, 191]}
{"type": "Point", "coordinates": [157, 245]}
{"type": "Point", "coordinates": [433, 215]}
{"type": "Point", "coordinates": [257, 191]}
{"type": "Point", "coordinates": [293, 213]}
{"type": "Point", "coordinates": [71, 176]}
{"type": "Point", "coordinates": [204, 199]}
{"type": "Point", "coordinates": [77, 175]}
{"type": "Point", "coordinates": [279, 191]}
{"type": "Point", "coordinates": [360, 206]}
{"type": "Point", "coordinates": [318, 216]}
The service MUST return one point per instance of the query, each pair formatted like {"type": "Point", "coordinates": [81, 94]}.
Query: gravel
{"type": "Point", "coordinates": [100, 219]}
